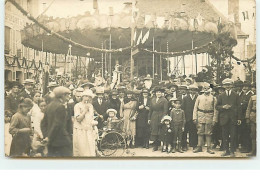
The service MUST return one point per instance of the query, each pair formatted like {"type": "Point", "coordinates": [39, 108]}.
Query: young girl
{"type": "Point", "coordinates": [166, 133]}
{"type": "Point", "coordinates": [20, 129]}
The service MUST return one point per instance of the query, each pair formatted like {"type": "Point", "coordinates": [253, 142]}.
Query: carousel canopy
{"type": "Point", "coordinates": [173, 24]}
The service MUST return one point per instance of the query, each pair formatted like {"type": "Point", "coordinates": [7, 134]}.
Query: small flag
{"type": "Point", "coordinates": [134, 38]}
{"type": "Point", "coordinates": [146, 36]}
{"type": "Point", "coordinates": [139, 38]}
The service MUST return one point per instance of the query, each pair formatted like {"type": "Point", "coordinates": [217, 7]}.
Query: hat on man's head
{"type": "Point", "coordinates": [28, 81]}
{"type": "Point", "coordinates": [79, 89]}
{"type": "Point", "coordinates": [227, 81]}
{"type": "Point", "coordinates": [100, 90]}
{"type": "Point", "coordinates": [52, 84]}
{"type": "Point", "coordinates": [145, 90]}
{"type": "Point", "coordinates": [238, 83]}
{"type": "Point", "coordinates": [114, 92]}
{"type": "Point", "coordinates": [129, 92]}
{"type": "Point", "coordinates": [158, 88]}
{"type": "Point", "coordinates": [193, 87]}
{"type": "Point", "coordinates": [183, 87]}
{"type": "Point", "coordinates": [60, 91]}
{"type": "Point", "coordinates": [107, 90]}
{"type": "Point", "coordinates": [170, 85]}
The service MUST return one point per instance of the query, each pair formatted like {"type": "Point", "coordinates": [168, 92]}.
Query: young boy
{"type": "Point", "coordinates": [178, 123]}
{"type": "Point", "coordinates": [166, 133]}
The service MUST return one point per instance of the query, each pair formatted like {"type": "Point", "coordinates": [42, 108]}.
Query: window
{"type": "Point", "coordinates": [7, 39]}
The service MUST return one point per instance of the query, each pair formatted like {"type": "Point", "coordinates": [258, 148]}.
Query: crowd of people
{"type": "Point", "coordinates": [171, 117]}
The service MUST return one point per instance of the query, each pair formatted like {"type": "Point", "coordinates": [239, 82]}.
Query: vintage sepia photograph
{"type": "Point", "coordinates": [130, 79]}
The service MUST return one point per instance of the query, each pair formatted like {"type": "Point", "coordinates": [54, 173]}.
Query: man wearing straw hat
{"type": "Point", "coordinates": [28, 89]}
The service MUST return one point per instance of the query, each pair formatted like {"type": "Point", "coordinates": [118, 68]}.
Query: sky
{"type": "Point", "coordinates": [70, 8]}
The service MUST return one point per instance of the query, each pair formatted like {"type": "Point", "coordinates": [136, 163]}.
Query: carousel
{"type": "Point", "coordinates": [139, 40]}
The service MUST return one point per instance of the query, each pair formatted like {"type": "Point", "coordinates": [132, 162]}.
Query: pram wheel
{"type": "Point", "coordinates": [112, 144]}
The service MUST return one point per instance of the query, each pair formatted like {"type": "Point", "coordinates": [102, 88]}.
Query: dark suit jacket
{"type": "Point", "coordinates": [100, 109]}
{"type": "Point", "coordinates": [55, 124]}
{"type": "Point", "coordinates": [188, 106]}
{"type": "Point", "coordinates": [142, 117]}
{"type": "Point", "coordinates": [23, 94]}
{"type": "Point", "coordinates": [11, 105]}
{"type": "Point", "coordinates": [234, 113]}
{"type": "Point", "coordinates": [115, 104]}
{"type": "Point", "coordinates": [244, 100]}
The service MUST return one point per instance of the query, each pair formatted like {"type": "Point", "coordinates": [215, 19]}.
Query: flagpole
{"type": "Point", "coordinates": [132, 43]}
{"type": "Point", "coordinates": [153, 57]}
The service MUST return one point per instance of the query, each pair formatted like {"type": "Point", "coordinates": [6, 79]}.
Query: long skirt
{"type": "Point", "coordinates": [84, 143]}
{"type": "Point", "coordinates": [21, 145]}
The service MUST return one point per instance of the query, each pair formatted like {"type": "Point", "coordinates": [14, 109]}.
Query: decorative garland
{"type": "Point", "coordinates": [179, 53]}
{"type": "Point", "coordinates": [24, 64]}
{"type": "Point", "coordinates": [62, 37]}
{"type": "Point", "coordinates": [249, 60]}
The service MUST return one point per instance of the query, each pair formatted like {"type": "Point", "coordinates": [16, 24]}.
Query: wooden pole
{"type": "Point", "coordinates": [183, 61]}
{"type": "Point", "coordinates": [196, 63]}
{"type": "Point", "coordinates": [153, 57]}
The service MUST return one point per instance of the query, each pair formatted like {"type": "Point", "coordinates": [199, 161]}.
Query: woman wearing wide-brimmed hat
{"type": "Point", "coordinates": [128, 113]}
{"type": "Point", "coordinates": [84, 127]}
{"type": "Point", "coordinates": [142, 126]}
{"type": "Point", "coordinates": [20, 129]}
{"type": "Point", "coordinates": [158, 109]}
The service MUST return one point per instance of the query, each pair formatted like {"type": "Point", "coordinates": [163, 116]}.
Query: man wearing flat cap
{"type": "Point", "coordinates": [55, 125]}
{"type": "Point", "coordinates": [229, 108]}
{"type": "Point", "coordinates": [183, 92]}
{"type": "Point", "coordinates": [188, 106]}
{"type": "Point", "coordinates": [28, 89]}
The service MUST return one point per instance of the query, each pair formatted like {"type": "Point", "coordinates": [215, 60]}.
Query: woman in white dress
{"type": "Point", "coordinates": [84, 128]}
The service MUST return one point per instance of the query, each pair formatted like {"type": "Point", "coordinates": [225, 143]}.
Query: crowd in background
{"type": "Point", "coordinates": [170, 116]}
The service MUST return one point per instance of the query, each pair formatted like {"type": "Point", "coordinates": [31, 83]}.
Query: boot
{"type": "Point", "coordinates": [208, 140]}
{"type": "Point", "coordinates": [155, 148]}
{"type": "Point", "coordinates": [169, 149]}
{"type": "Point", "coordinates": [147, 144]}
{"type": "Point", "coordinates": [210, 151]}
{"type": "Point", "coordinates": [180, 148]}
{"type": "Point", "coordinates": [174, 148]}
{"type": "Point", "coordinates": [198, 149]}
{"type": "Point", "coordinates": [164, 148]}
